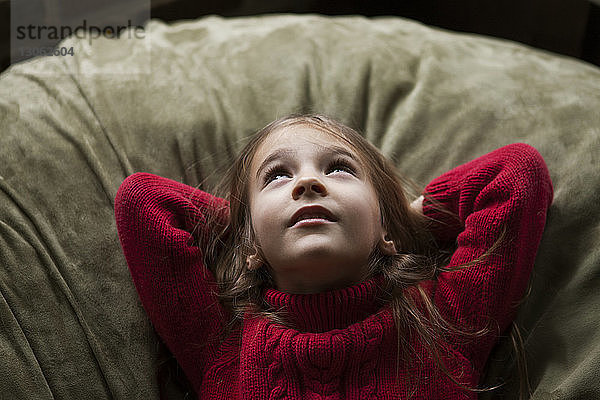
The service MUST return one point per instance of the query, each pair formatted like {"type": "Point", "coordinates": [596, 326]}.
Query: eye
{"type": "Point", "coordinates": [340, 164]}
{"type": "Point", "coordinates": [273, 172]}
{"type": "Point", "coordinates": [277, 170]}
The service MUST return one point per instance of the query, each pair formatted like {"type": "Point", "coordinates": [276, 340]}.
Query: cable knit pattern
{"type": "Point", "coordinates": [343, 343]}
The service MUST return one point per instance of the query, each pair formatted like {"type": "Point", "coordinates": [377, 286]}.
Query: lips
{"type": "Point", "coordinates": [313, 211]}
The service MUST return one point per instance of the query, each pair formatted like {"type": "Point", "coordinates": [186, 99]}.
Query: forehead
{"type": "Point", "coordinates": [297, 135]}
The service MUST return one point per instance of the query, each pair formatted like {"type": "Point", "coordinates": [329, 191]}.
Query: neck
{"type": "Point", "coordinates": [325, 276]}
{"type": "Point", "coordinates": [309, 286]}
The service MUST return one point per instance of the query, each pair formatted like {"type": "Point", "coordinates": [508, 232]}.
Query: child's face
{"type": "Point", "coordinates": [326, 255]}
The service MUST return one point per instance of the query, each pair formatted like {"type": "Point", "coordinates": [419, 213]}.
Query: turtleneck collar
{"type": "Point", "coordinates": [335, 309]}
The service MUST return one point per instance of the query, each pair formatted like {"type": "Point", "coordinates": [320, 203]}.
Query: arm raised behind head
{"type": "Point", "coordinates": [500, 201]}
{"type": "Point", "coordinates": [155, 218]}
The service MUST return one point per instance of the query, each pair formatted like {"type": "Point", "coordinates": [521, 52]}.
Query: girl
{"type": "Point", "coordinates": [315, 278]}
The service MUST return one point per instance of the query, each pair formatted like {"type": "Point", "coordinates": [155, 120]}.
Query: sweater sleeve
{"type": "Point", "coordinates": [500, 198]}
{"type": "Point", "coordinates": [161, 227]}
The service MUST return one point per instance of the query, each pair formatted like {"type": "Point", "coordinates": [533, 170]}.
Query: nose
{"type": "Point", "coordinates": [308, 185]}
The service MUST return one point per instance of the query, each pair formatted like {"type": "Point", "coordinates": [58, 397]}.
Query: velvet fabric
{"type": "Point", "coordinates": [181, 102]}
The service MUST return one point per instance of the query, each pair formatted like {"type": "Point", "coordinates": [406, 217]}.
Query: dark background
{"type": "Point", "coordinates": [569, 27]}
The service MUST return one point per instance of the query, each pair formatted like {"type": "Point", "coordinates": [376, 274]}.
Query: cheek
{"type": "Point", "coordinates": [262, 219]}
{"type": "Point", "coordinates": [369, 213]}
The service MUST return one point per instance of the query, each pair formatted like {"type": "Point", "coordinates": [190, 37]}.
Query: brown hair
{"type": "Point", "coordinates": [419, 258]}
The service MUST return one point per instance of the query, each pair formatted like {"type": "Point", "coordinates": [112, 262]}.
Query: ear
{"type": "Point", "coordinates": [387, 246]}
{"type": "Point", "coordinates": [253, 262]}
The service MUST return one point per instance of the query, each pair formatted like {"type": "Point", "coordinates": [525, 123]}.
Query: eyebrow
{"type": "Point", "coordinates": [287, 152]}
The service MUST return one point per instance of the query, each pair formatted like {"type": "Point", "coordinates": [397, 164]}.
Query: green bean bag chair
{"type": "Point", "coordinates": [181, 103]}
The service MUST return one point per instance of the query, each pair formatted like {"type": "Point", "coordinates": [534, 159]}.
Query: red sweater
{"type": "Point", "coordinates": [346, 345]}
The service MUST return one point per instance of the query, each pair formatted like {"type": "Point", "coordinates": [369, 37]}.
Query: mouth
{"type": "Point", "coordinates": [310, 215]}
